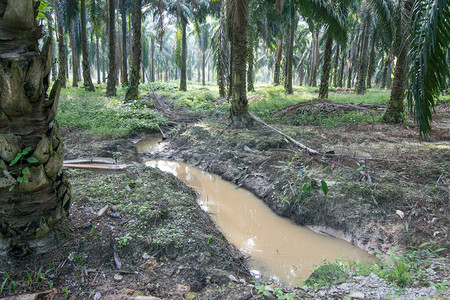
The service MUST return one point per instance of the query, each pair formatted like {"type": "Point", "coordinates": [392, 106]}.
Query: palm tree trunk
{"type": "Point", "coordinates": [323, 91]}
{"type": "Point", "coordinates": [350, 64]}
{"type": "Point", "coordinates": [34, 194]}
{"type": "Point", "coordinates": [133, 90]}
{"type": "Point", "coordinates": [124, 42]}
{"type": "Point", "coordinates": [203, 66]}
{"type": "Point", "coordinates": [183, 86]}
{"type": "Point", "coordinates": [371, 67]}
{"type": "Point", "coordinates": [290, 55]}
{"type": "Point", "coordinates": [239, 115]}
{"type": "Point", "coordinates": [301, 75]}
{"type": "Point", "coordinates": [61, 49]}
{"type": "Point", "coordinates": [341, 70]}
{"type": "Point", "coordinates": [88, 86]}
{"type": "Point", "coordinates": [387, 65]}
{"type": "Point", "coordinates": [152, 60]}
{"type": "Point", "coordinates": [314, 58]}
{"type": "Point", "coordinates": [75, 62]}
{"type": "Point", "coordinates": [362, 63]}
{"type": "Point", "coordinates": [278, 56]}
{"type": "Point", "coordinates": [250, 72]}
{"type": "Point", "coordinates": [335, 66]}
{"type": "Point", "coordinates": [112, 74]}
{"type": "Point", "coordinates": [395, 109]}
{"type": "Point", "coordinates": [99, 80]}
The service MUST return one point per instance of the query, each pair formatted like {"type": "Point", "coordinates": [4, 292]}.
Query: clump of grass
{"type": "Point", "coordinates": [99, 115]}
{"type": "Point", "coordinates": [404, 270]}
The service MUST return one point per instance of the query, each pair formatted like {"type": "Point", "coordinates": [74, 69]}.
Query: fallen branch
{"type": "Point", "coordinates": [90, 160]}
{"type": "Point", "coordinates": [92, 166]}
{"type": "Point", "coordinates": [297, 143]}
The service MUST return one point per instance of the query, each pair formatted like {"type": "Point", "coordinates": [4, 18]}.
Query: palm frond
{"type": "Point", "coordinates": [429, 69]}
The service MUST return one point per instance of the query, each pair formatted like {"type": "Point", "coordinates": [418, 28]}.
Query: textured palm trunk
{"type": "Point", "coordinates": [250, 72]}
{"type": "Point", "coordinates": [88, 86]}
{"type": "Point", "coordinates": [371, 67]}
{"type": "Point", "coordinates": [123, 14]}
{"type": "Point", "coordinates": [341, 70]}
{"type": "Point", "coordinates": [112, 73]}
{"type": "Point", "coordinates": [301, 75]}
{"type": "Point", "coordinates": [223, 50]}
{"type": "Point", "coordinates": [387, 65]}
{"type": "Point", "coordinates": [362, 63]}
{"type": "Point", "coordinates": [203, 55]}
{"type": "Point", "coordinates": [314, 58]}
{"type": "Point", "coordinates": [34, 194]}
{"type": "Point", "coordinates": [323, 91]}
{"type": "Point", "coordinates": [290, 55]}
{"type": "Point", "coordinates": [152, 60]}
{"type": "Point", "coordinates": [350, 64]}
{"type": "Point", "coordinates": [183, 85]}
{"type": "Point", "coordinates": [395, 109]}
{"type": "Point", "coordinates": [277, 67]}
{"type": "Point", "coordinates": [133, 90]}
{"type": "Point", "coordinates": [335, 66]}
{"type": "Point", "coordinates": [239, 115]}
{"type": "Point", "coordinates": [99, 80]}
{"type": "Point", "coordinates": [61, 49]}
{"type": "Point", "coordinates": [75, 62]}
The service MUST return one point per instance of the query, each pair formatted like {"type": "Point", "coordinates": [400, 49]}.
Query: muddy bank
{"type": "Point", "coordinates": [376, 183]}
{"type": "Point", "coordinates": [136, 232]}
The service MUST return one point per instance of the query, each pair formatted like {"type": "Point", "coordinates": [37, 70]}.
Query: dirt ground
{"type": "Point", "coordinates": [139, 232]}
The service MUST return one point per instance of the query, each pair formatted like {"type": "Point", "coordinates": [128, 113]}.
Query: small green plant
{"type": "Point", "coordinates": [22, 171]}
{"type": "Point", "coordinates": [282, 296]}
{"type": "Point", "coordinates": [124, 240]}
{"type": "Point", "coordinates": [260, 288]}
{"type": "Point", "coordinates": [324, 187]}
{"type": "Point", "coordinates": [306, 188]}
{"type": "Point", "coordinates": [361, 167]}
{"type": "Point", "coordinates": [66, 292]}
{"type": "Point", "coordinates": [11, 286]}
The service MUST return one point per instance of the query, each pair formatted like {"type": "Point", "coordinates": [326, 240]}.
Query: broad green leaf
{"type": "Point", "coordinates": [16, 159]}
{"type": "Point", "coordinates": [20, 179]}
{"type": "Point", "coordinates": [32, 160]}
{"type": "Point", "coordinates": [11, 188]}
{"type": "Point", "coordinates": [25, 179]}
{"type": "Point", "coordinates": [324, 187]}
{"type": "Point", "coordinates": [26, 171]}
{"type": "Point", "coordinates": [26, 150]}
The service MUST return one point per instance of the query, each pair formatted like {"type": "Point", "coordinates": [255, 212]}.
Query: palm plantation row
{"type": "Point", "coordinates": [240, 40]}
{"type": "Point", "coordinates": [348, 44]}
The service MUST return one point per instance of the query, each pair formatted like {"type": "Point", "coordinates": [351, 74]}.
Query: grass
{"type": "Point", "coordinates": [402, 270]}
{"type": "Point", "coordinates": [100, 115]}
{"type": "Point", "coordinates": [267, 100]}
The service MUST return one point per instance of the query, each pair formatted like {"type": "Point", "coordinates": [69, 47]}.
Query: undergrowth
{"type": "Point", "coordinates": [100, 115]}
{"type": "Point", "coordinates": [402, 270]}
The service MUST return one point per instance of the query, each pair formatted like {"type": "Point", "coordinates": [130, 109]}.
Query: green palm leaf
{"type": "Point", "coordinates": [429, 68]}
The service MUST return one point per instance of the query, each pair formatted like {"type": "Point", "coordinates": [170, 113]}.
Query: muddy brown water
{"type": "Point", "coordinates": [278, 248]}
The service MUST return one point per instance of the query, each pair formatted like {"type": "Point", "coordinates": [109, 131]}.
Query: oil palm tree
{"type": "Point", "coordinates": [34, 194]}
{"type": "Point", "coordinates": [88, 86]}
{"type": "Point", "coordinates": [133, 90]}
{"type": "Point", "coordinates": [239, 114]}
{"type": "Point", "coordinates": [111, 89]}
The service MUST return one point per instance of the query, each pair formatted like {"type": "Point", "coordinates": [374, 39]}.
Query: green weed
{"type": "Point", "coordinates": [99, 115]}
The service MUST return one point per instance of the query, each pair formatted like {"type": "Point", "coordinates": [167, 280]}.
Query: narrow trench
{"type": "Point", "coordinates": [278, 248]}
